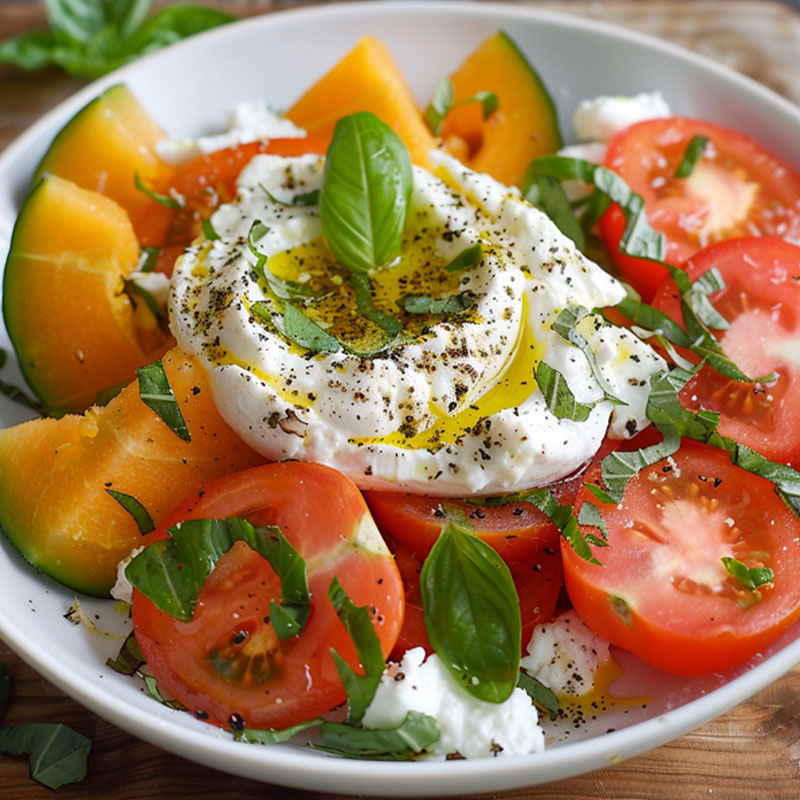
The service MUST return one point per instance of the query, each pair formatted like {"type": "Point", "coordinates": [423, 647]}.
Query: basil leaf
{"type": "Point", "coordinates": [134, 290]}
{"type": "Point", "coordinates": [489, 102]}
{"type": "Point", "coordinates": [786, 479]}
{"type": "Point", "coordinates": [163, 199]}
{"type": "Point", "coordinates": [306, 333]}
{"type": "Point", "coordinates": [440, 105]}
{"type": "Point", "coordinates": [560, 400]}
{"type": "Point", "coordinates": [156, 393]}
{"type": "Point", "coordinates": [78, 20]}
{"type": "Point", "coordinates": [472, 613]}
{"type": "Point", "coordinates": [139, 513]}
{"type": "Point", "coordinates": [172, 24]}
{"type": "Point", "coordinates": [56, 753]}
{"type": "Point", "coordinates": [361, 287]}
{"type": "Point", "coordinates": [657, 321]}
{"type": "Point", "coordinates": [306, 199]}
{"type": "Point", "coordinates": [152, 689]}
{"type": "Point", "coordinates": [544, 697]}
{"type": "Point", "coordinates": [5, 688]}
{"type": "Point", "coordinates": [416, 732]}
{"type": "Point", "coordinates": [149, 258]}
{"type": "Point", "coordinates": [466, 258]}
{"type": "Point", "coordinates": [273, 735]}
{"type": "Point", "coordinates": [360, 688]}
{"type": "Point", "coordinates": [129, 660]}
{"type": "Point", "coordinates": [366, 193]}
{"type": "Point", "coordinates": [749, 578]}
{"type": "Point", "coordinates": [209, 231]}
{"type": "Point", "coordinates": [170, 572]}
{"type": "Point", "coordinates": [694, 151]}
{"type": "Point", "coordinates": [564, 326]}
{"type": "Point", "coordinates": [547, 194]}
{"type": "Point", "coordinates": [591, 515]}
{"type": "Point", "coordinates": [31, 51]}
{"type": "Point", "coordinates": [425, 304]}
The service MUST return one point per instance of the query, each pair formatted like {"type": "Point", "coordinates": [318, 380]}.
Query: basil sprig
{"type": "Point", "coordinates": [171, 571]}
{"type": "Point", "coordinates": [88, 38]}
{"type": "Point", "coordinates": [139, 513]}
{"type": "Point", "coordinates": [366, 192]}
{"type": "Point", "coordinates": [156, 393]}
{"type": "Point", "coordinates": [442, 103]}
{"type": "Point", "coordinates": [472, 613]}
{"type": "Point", "coordinates": [360, 688]}
{"type": "Point", "coordinates": [692, 154]}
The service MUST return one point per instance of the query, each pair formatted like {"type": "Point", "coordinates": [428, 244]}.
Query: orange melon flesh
{"type": "Point", "coordinates": [54, 473]}
{"type": "Point", "coordinates": [104, 145]}
{"type": "Point", "coordinates": [72, 326]}
{"type": "Point", "coordinates": [523, 127]}
{"type": "Point", "coordinates": [366, 79]}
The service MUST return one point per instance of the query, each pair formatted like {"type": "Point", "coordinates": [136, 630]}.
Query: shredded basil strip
{"type": "Point", "coordinates": [547, 194]}
{"type": "Point", "coordinates": [306, 199]}
{"type": "Point", "coordinates": [749, 577]}
{"type": "Point", "coordinates": [472, 613]}
{"type": "Point", "coordinates": [274, 735]}
{"type": "Point", "coordinates": [163, 199]}
{"type": "Point", "coordinates": [139, 513]}
{"type": "Point", "coordinates": [366, 192]}
{"type": "Point", "coordinates": [543, 696]}
{"type": "Point", "coordinates": [5, 688]}
{"type": "Point", "coordinates": [558, 396]}
{"type": "Point", "coordinates": [305, 332]}
{"type": "Point", "coordinates": [412, 736]}
{"type": "Point", "coordinates": [171, 571]}
{"type": "Point", "coordinates": [135, 290]}
{"type": "Point", "coordinates": [155, 693]}
{"type": "Point", "coordinates": [149, 258]}
{"type": "Point", "coordinates": [694, 151]}
{"type": "Point", "coordinates": [156, 393]}
{"type": "Point", "coordinates": [129, 659]}
{"type": "Point", "coordinates": [209, 231]}
{"type": "Point", "coordinates": [425, 304]}
{"type": "Point", "coordinates": [365, 307]}
{"type": "Point", "coordinates": [360, 688]}
{"type": "Point", "coordinates": [466, 258]}
{"type": "Point", "coordinates": [442, 103]}
{"type": "Point", "coordinates": [56, 753]}
{"type": "Point", "coordinates": [565, 326]}
{"type": "Point", "coordinates": [591, 516]}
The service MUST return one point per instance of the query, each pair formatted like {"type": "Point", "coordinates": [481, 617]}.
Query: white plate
{"type": "Point", "coordinates": [188, 88]}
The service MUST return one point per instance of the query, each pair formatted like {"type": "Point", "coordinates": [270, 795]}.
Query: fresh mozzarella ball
{"type": "Point", "coordinates": [600, 119]}
{"type": "Point", "coordinates": [468, 726]}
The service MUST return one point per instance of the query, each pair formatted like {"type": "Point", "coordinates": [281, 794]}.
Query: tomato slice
{"type": "Point", "coordinates": [662, 591]}
{"type": "Point", "coordinates": [228, 659]}
{"type": "Point", "coordinates": [736, 188]}
{"type": "Point", "coordinates": [205, 183]}
{"type": "Point", "coordinates": [761, 301]}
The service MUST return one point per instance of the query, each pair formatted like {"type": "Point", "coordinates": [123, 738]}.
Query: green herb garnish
{"type": "Point", "coordinates": [466, 258]}
{"type": "Point", "coordinates": [558, 396]}
{"type": "Point", "coordinates": [149, 258]}
{"type": "Point", "coordinates": [544, 697]}
{"type": "Point", "coordinates": [442, 103]}
{"type": "Point", "coordinates": [129, 659]}
{"type": "Point", "coordinates": [139, 513]}
{"type": "Point", "coordinates": [694, 151]}
{"type": "Point", "coordinates": [425, 304]}
{"type": "Point", "coordinates": [156, 393]}
{"type": "Point", "coordinates": [274, 735]}
{"type": "Point", "coordinates": [162, 199]}
{"type": "Point", "coordinates": [209, 231]}
{"type": "Point", "coordinates": [750, 578]}
{"type": "Point", "coordinates": [547, 194]}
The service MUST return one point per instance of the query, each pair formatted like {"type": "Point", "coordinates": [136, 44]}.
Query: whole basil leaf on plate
{"type": "Point", "coordinates": [365, 195]}
{"type": "Point", "coordinates": [472, 613]}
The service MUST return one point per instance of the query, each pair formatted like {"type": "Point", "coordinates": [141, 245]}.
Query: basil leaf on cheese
{"type": "Point", "coordinates": [366, 191]}
{"type": "Point", "coordinates": [305, 332]}
{"type": "Point", "coordinates": [171, 571]}
{"type": "Point", "coordinates": [425, 304]}
{"type": "Point", "coordinates": [547, 194]}
{"type": "Point", "coordinates": [56, 753]}
{"type": "Point", "coordinates": [472, 613]}
{"type": "Point", "coordinates": [139, 513]}
{"type": "Point", "coordinates": [209, 231]}
{"type": "Point", "coordinates": [558, 396]}
{"type": "Point", "coordinates": [466, 258]}
{"type": "Point", "coordinates": [416, 732]}
{"type": "Point", "coordinates": [366, 308]}
{"type": "Point", "coordinates": [692, 154]}
{"type": "Point", "coordinates": [156, 393]}
{"type": "Point", "coordinates": [360, 688]}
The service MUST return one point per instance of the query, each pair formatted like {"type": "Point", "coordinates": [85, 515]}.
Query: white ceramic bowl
{"type": "Point", "coordinates": [188, 88]}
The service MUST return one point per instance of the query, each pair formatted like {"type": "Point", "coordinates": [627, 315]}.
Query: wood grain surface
{"type": "Point", "coordinates": [750, 753]}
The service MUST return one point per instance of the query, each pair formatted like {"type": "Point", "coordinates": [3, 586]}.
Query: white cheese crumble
{"type": "Point", "coordinates": [123, 588]}
{"type": "Point", "coordinates": [468, 726]}
{"type": "Point", "coordinates": [564, 655]}
{"type": "Point", "coordinates": [602, 118]}
{"type": "Point", "coordinates": [248, 122]}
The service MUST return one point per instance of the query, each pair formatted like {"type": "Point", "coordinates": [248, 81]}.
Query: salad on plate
{"type": "Point", "coordinates": [342, 403]}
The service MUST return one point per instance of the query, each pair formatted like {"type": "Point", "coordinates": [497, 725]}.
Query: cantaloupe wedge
{"type": "Point", "coordinates": [366, 79]}
{"type": "Point", "coordinates": [104, 145]}
{"type": "Point", "coordinates": [73, 327]}
{"type": "Point", "coordinates": [524, 125]}
{"type": "Point", "coordinates": [54, 474]}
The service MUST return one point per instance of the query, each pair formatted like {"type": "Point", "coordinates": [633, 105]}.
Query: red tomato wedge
{"type": "Point", "coordinates": [761, 301]}
{"type": "Point", "coordinates": [228, 659]}
{"type": "Point", "coordinates": [204, 184]}
{"type": "Point", "coordinates": [736, 188]}
{"type": "Point", "coordinates": [662, 591]}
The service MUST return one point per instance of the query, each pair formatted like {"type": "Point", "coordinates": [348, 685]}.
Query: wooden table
{"type": "Point", "coordinates": [750, 753]}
